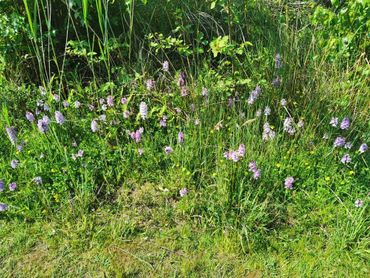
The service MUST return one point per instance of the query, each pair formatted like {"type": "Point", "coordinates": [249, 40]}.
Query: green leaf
{"type": "Point", "coordinates": [218, 45]}
{"type": "Point", "coordinates": [85, 5]}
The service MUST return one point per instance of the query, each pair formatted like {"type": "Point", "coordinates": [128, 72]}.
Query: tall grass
{"type": "Point", "coordinates": [111, 49]}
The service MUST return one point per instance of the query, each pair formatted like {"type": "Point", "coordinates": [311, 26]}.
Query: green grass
{"type": "Point", "coordinates": [146, 233]}
{"type": "Point", "coordinates": [114, 212]}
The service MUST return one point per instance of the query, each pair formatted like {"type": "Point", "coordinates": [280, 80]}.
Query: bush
{"type": "Point", "coordinates": [344, 28]}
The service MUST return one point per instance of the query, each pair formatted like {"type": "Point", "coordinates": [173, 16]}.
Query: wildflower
{"type": "Point", "coordinates": [2, 185]}
{"type": "Point", "coordinates": [178, 110]}
{"type": "Point", "coordinates": [168, 150]}
{"type": "Point", "coordinates": [267, 111]}
{"type": "Point", "coordinates": [94, 126]}
{"type": "Point", "coordinates": [334, 122]}
{"type": "Point", "coordinates": [74, 144]}
{"type": "Point", "coordinates": [59, 117]}
{"type": "Point", "coordinates": [40, 103]}
{"type": "Point", "coordinates": [253, 96]}
{"type": "Point", "coordinates": [359, 203]}
{"type": "Point", "coordinates": [136, 135]}
{"type": "Point", "coordinates": [300, 123]}
{"type": "Point", "coordinates": [46, 107]}
{"type": "Point", "coordinates": [183, 191]}
{"type": "Point", "coordinates": [252, 166]}
{"type": "Point", "coordinates": [289, 181]}
{"type": "Point", "coordinates": [363, 148]}
{"type": "Point", "coordinates": [43, 124]}
{"type": "Point", "coordinates": [110, 101]}
{"type": "Point", "coordinates": [80, 153]}
{"type": "Point", "coordinates": [91, 107]}
{"type": "Point", "coordinates": [12, 186]}
{"type": "Point", "coordinates": [231, 102]}
{"type": "Point", "coordinates": [103, 118]}
{"type": "Point", "coordinates": [268, 133]}
{"type": "Point", "coordinates": [123, 100]}
{"type": "Point", "coordinates": [166, 66]}
{"type": "Point", "coordinates": [42, 90]}
{"type": "Point", "coordinates": [241, 150]}
{"type": "Point", "coordinates": [149, 84]}
{"type": "Point", "coordinates": [19, 148]}
{"type": "Point", "coordinates": [101, 101]}
{"type": "Point", "coordinates": [251, 100]}
{"type": "Point", "coordinates": [181, 81]}
{"type": "Point", "coordinates": [143, 108]}
{"type": "Point", "coordinates": [227, 155]}
{"type": "Point", "coordinates": [257, 174]}
{"type": "Point", "coordinates": [163, 121]}
{"type": "Point", "coordinates": [234, 156]}
{"type": "Point", "coordinates": [196, 122]}
{"type": "Point", "coordinates": [278, 64]}
{"type": "Point", "coordinates": [348, 145]}
{"type": "Point", "coordinates": [30, 117]}
{"type": "Point", "coordinates": [3, 207]}
{"type": "Point", "coordinates": [104, 107]}
{"type": "Point", "coordinates": [180, 137]}
{"type": "Point", "coordinates": [283, 102]}
{"type": "Point", "coordinates": [204, 92]}
{"type": "Point", "coordinates": [276, 82]}
{"type": "Point", "coordinates": [14, 163]}
{"type": "Point", "coordinates": [56, 97]}
{"type": "Point", "coordinates": [77, 104]}
{"type": "Point", "coordinates": [288, 125]}
{"type": "Point", "coordinates": [325, 136]}
{"type": "Point", "coordinates": [339, 142]}
{"type": "Point", "coordinates": [258, 113]}
{"type": "Point", "coordinates": [140, 151]}
{"type": "Point", "coordinates": [12, 134]}
{"type": "Point", "coordinates": [346, 159]}
{"type": "Point", "coordinates": [37, 180]}
{"type": "Point", "coordinates": [126, 114]}
{"type": "Point", "coordinates": [65, 104]}
{"type": "Point", "coordinates": [345, 124]}
{"type": "Point", "coordinates": [184, 91]}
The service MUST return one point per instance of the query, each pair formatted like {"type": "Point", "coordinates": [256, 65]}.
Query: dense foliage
{"type": "Point", "coordinates": [245, 120]}
{"type": "Point", "coordinates": [344, 28]}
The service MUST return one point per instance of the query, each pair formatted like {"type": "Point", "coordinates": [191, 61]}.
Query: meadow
{"type": "Point", "coordinates": [168, 138]}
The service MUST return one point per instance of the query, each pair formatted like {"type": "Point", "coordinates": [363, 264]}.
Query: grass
{"type": "Point", "coordinates": [103, 209]}
{"type": "Point", "coordinates": [147, 234]}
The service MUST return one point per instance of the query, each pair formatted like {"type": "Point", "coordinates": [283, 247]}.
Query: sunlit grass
{"type": "Point", "coordinates": [254, 188]}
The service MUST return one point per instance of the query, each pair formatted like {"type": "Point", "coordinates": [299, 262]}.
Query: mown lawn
{"type": "Point", "coordinates": [148, 234]}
